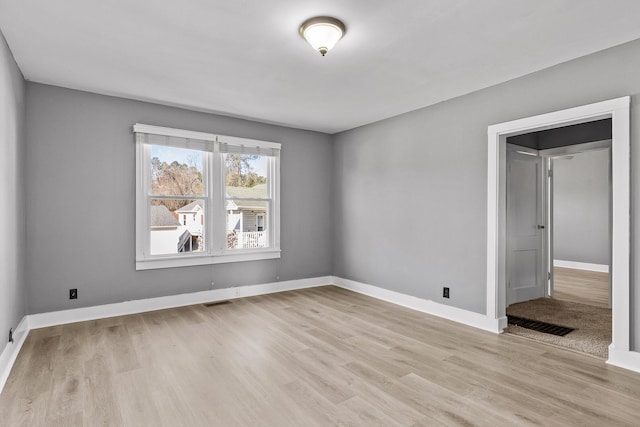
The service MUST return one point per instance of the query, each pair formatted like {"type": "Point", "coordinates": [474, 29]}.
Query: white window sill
{"type": "Point", "coordinates": [187, 261]}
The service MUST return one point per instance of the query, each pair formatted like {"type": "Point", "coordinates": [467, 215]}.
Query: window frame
{"type": "Point", "coordinates": [214, 227]}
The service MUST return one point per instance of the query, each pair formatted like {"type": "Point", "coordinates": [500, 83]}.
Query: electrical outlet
{"type": "Point", "coordinates": [11, 335]}
{"type": "Point", "coordinates": [73, 294]}
{"type": "Point", "coordinates": [445, 292]}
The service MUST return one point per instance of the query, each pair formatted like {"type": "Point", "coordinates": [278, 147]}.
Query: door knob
{"type": "Point", "coordinates": [540, 227]}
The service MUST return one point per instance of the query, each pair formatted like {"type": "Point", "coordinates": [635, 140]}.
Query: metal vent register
{"type": "Point", "coordinates": [213, 304]}
{"type": "Point", "coordinates": [536, 325]}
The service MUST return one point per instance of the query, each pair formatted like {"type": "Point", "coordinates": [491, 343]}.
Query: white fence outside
{"type": "Point", "coordinates": [250, 240]}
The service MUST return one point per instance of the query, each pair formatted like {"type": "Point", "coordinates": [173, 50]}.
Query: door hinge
{"type": "Point", "coordinates": [550, 173]}
{"type": "Point", "coordinates": [548, 275]}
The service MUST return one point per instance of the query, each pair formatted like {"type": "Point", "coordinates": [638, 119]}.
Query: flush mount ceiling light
{"type": "Point", "coordinates": [322, 32]}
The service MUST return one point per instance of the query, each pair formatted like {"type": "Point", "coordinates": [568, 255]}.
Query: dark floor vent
{"type": "Point", "coordinates": [536, 325]}
{"type": "Point", "coordinates": [213, 304]}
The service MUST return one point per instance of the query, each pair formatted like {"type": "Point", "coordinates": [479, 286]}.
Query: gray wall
{"type": "Point", "coordinates": [581, 207]}
{"type": "Point", "coordinates": [81, 201]}
{"type": "Point", "coordinates": [410, 191]}
{"type": "Point", "coordinates": [12, 231]}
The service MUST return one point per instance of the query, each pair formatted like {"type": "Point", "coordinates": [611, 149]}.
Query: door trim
{"type": "Point", "coordinates": [616, 109]}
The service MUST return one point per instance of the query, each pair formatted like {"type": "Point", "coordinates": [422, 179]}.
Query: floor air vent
{"type": "Point", "coordinates": [536, 325]}
{"type": "Point", "coordinates": [213, 304]}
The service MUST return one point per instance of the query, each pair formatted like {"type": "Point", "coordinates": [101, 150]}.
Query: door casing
{"type": "Point", "coordinates": [616, 109]}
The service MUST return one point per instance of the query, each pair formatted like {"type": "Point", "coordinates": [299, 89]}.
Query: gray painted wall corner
{"type": "Point", "coordinates": [81, 201]}
{"type": "Point", "coordinates": [12, 168]}
{"type": "Point", "coordinates": [415, 185]}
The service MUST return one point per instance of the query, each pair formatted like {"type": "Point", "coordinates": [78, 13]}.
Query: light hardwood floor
{"type": "Point", "coordinates": [321, 356]}
{"type": "Point", "coordinates": [586, 287]}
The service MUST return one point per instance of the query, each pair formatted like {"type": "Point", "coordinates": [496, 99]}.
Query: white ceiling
{"type": "Point", "coordinates": [244, 58]}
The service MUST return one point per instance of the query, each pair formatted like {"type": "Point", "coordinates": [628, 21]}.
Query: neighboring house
{"type": "Point", "coordinates": [246, 215]}
{"type": "Point", "coordinates": [247, 219]}
{"type": "Point", "coordinates": [192, 217]}
{"type": "Point", "coordinates": [181, 230]}
{"type": "Point", "coordinates": [167, 235]}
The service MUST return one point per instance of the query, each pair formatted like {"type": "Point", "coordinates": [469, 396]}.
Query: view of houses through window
{"type": "Point", "coordinates": [179, 197]}
{"type": "Point", "coordinates": [177, 214]}
{"type": "Point", "coordinates": [247, 201]}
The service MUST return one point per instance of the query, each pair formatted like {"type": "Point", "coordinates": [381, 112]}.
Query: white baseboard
{"type": "Point", "coordinates": [455, 314]}
{"type": "Point", "coordinates": [43, 320]}
{"type": "Point", "coordinates": [11, 350]}
{"type": "Point", "coordinates": [602, 268]}
{"type": "Point", "coordinates": [624, 359]}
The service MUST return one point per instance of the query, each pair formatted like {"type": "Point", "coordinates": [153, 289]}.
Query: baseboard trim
{"type": "Point", "coordinates": [11, 350]}
{"type": "Point", "coordinates": [602, 268]}
{"type": "Point", "coordinates": [44, 320]}
{"type": "Point", "coordinates": [448, 312]}
{"type": "Point", "coordinates": [624, 359]}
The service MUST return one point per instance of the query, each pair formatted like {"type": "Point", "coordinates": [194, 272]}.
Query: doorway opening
{"type": "Point", "coordinates": [618, 111]}
{"type": "Point", "coordinates": [558, 232]}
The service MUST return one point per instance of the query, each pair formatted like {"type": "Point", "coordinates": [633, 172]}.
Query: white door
{"type": "Point", "coordinates": [525, 279]}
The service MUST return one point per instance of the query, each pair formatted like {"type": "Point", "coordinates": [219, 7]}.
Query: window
{"type": "Point", "coordinates": [204, 198]}
{"type": "Point", "coordinates": [248, 199]}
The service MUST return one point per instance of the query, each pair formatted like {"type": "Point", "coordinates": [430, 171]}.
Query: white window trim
{"type": "Point", "coordinates": [216, 251]}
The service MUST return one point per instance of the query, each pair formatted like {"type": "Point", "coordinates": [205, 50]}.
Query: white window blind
{"type": "Point", "coordinates": [258, 150]}
{"type": "Point", "coordinates": [175, 141]}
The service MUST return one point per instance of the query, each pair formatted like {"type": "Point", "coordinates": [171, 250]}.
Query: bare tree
{"type": "Point", "coordinates": [240, 171]}
{"type": "Point", "coordinates": [175, 179]}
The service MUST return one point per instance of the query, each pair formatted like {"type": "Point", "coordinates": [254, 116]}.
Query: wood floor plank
{"type": "Point", "coordinates": [136, 404]}
{"type": "Point", "coordinates": [319, 356]}
{"type": "Point", "coordinates": [585, 287]}
{"type": "Point", "coordinates": [67, 383]}
{"type": "Point", "coordinates": [366, 414]}
{"type": "Point", "coordinates": [100, 400]}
